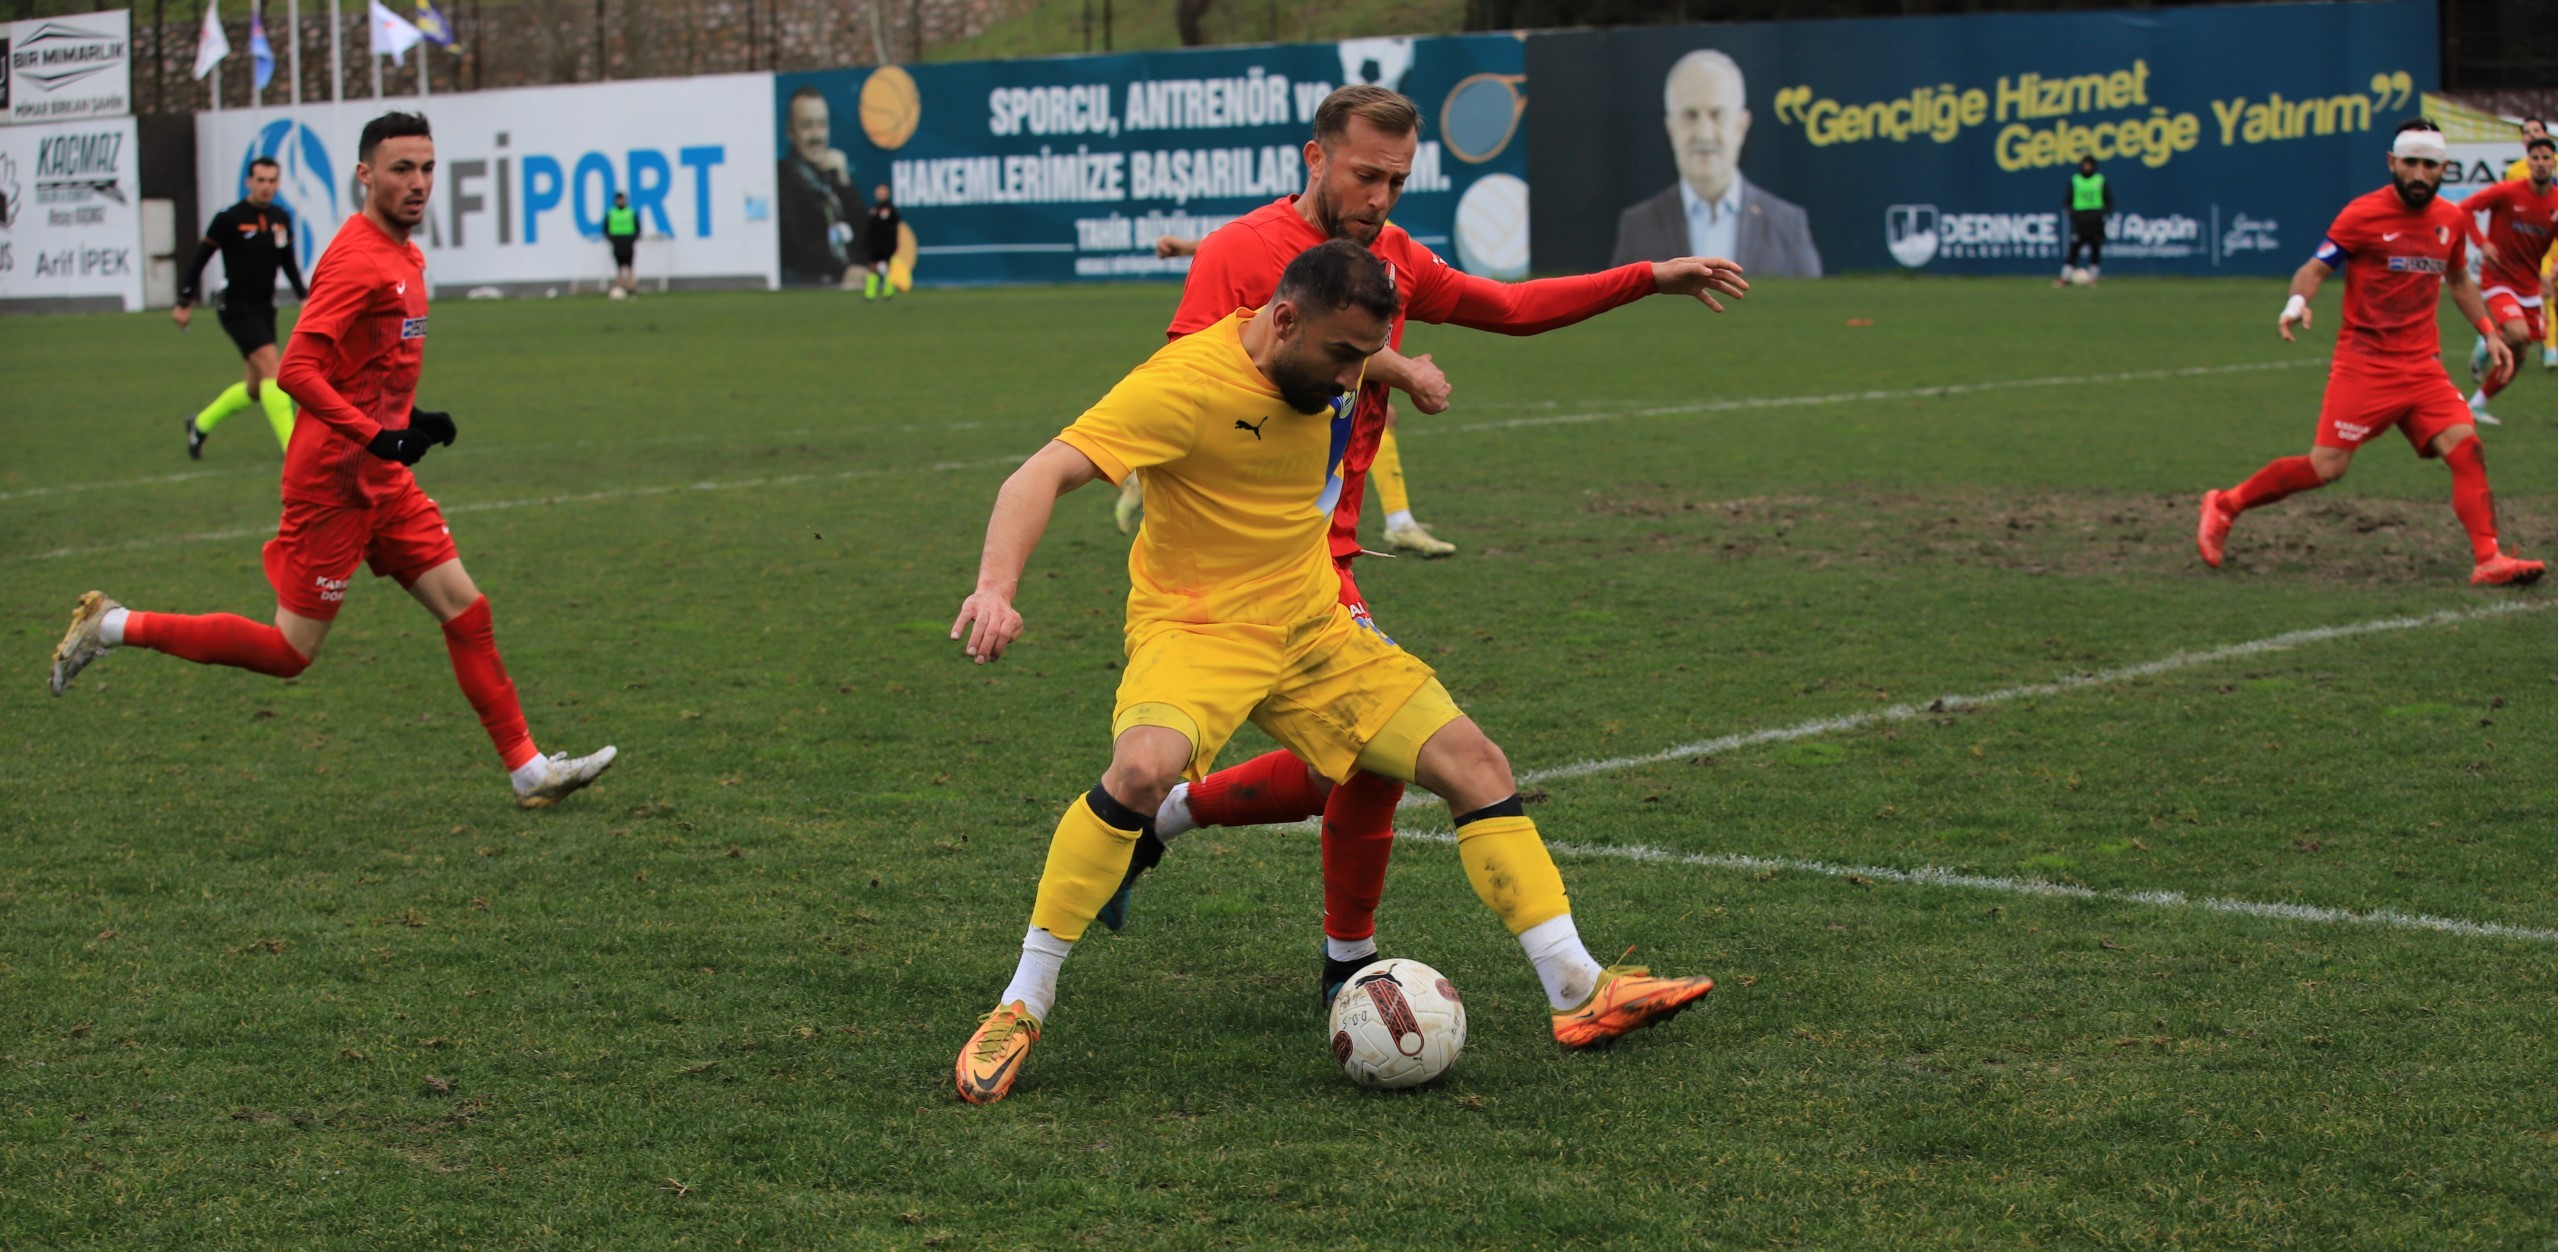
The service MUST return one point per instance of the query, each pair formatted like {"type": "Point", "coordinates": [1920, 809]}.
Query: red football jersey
{"type": "Point", "coordinates": [2520, 221]}
{"type": "Point", "coordinates": [1238, 267]}
{"type": "Point", "coordinates": [2394, 260]}
{"type": "Point", "coordinates": [353, 366]}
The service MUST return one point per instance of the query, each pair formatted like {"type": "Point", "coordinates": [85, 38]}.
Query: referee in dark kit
{"type": "Point", "coordinates": [255, 238]}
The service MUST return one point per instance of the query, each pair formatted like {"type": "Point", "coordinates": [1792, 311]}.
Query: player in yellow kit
{"type": "Point", "coordinates": [1234, 614]}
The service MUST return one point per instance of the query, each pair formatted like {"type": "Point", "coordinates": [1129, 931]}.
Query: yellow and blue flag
{"type": "Point", "coordinates": [431, 23]}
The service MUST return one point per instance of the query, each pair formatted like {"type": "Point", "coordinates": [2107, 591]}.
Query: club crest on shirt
{"type": "Point", "coordinates": [2442, 234]}
{"type": "Point", "coordinates": [415, 327]}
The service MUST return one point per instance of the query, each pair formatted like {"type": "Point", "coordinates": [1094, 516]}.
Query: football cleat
{"type": "Point", "coordinates": [82, 643]}
{"type": "Point", "coordinates": [2212, 535]}
{"type": "Point", "coordinates": [1148, 853]}
{"type": "Point", "coordinates": [2485, 418]}
{"type": "Point", "coordinates": [992, 1059]}
{"type": "Point", "coordinates": [1627, 999]}
{"type": "Point", "coordinates": [1336, 974]}
{"type": "Point", "coordinates": [1415, 538]}
{"type": "Point", "coordinates": [2549, 358]}
{"type": "Point", "coordinates": [565, 775]}
{"type": "Point", "coordinates": [195, 441]}
{"type": "Point", "coordinates": [2505, 571]}
{"type": "Point", "coordinates": [1130, 508]}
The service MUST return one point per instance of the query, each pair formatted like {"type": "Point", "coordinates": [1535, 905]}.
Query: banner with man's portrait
{"type": "Point", "coordinates": [1067, 169]}
{"type": "Point", "coordinates": [2228, 136]}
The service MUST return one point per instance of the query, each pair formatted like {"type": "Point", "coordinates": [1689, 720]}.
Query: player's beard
{"type": "Point", "coordinates": [1308, 391]}
{"type": "Point", "coordinates": [2414, 193]}
{"type": "Point", "coordinates": [1335, 226]}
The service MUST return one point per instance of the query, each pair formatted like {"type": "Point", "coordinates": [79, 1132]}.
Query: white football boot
{"type": "Point", "coordinates": [84, 642]}
{"type": "Point", "coordinates": [563, 775]}
{"type": "Point", "coordinates": [1415, 538]}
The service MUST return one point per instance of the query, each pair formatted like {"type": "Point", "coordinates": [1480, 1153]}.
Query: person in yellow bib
{"type": "Point", "coordinates": [1234, 614]}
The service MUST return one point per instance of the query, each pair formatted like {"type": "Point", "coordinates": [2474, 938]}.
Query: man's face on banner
{"type": "Point", "coordinates": [809, 129]}
{"type": "Point", "coordinates": [1707, 119]}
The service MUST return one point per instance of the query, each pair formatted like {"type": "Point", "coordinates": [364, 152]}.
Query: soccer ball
{"type": "Point", "coordinates": [1397, 1024]}
{"type": "Point", "coordinates": [2082, 277]}
{"type": "Point", "coordinates": [620, 294]}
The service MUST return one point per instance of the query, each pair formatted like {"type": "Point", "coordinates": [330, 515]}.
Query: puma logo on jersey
{"type": "Point", "coordinates": [1254, 427]}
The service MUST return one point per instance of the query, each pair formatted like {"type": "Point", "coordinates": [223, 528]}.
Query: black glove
{"type": "Point", "coordinates": [408, 447]}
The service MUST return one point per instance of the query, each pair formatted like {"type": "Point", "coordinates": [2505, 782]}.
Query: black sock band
{"type": "Point", "coordinates": [1115, 815]}
{"type": "Point", "coordinates": [1512, 807]}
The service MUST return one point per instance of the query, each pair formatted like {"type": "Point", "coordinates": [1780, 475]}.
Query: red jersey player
{"type": "Point", "coordinates": [1356, 164]}
{"type": "Point", "coordinates": [348, 495]}
{"type": "Point", "coordinates": [2522, 216]}
{"type": "Point", "coordinates": [2398, 247]}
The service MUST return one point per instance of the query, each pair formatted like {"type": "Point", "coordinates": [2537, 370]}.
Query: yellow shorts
{"type": "Point", "coordinates": [1325, 688]}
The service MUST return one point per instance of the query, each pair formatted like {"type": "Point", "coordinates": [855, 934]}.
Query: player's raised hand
{"type": "Point", "coordinates": [2294, 310]}
{"type": "Point", "coordinates": [1430, 386]}
{"type": "Point", "coordinates": [995, 625]}
{"type": "Point", "coordinates": [1701, 277]}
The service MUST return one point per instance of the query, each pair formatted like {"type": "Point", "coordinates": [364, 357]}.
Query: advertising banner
{"type": "Point", "coordinates": [70, 217]}
{"type": "Point", "coordinates": [2228, 136]}
{"type": "Point", "coordinates": [523, 180]}
{"type": "Point", "coordinates": [2483, 147]}
{"type": "Point", "coordinates": [1068, 168]}
{"type": "Point", "coordinates": [63, 69]}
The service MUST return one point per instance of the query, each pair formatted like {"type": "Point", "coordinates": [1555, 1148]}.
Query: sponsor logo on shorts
{"type": "Point", "coordinates": [2348, 430]}
{"type": "Point", "coordinates": [412, 328]}
{"type": "Point", "coordinates": [331, 588]}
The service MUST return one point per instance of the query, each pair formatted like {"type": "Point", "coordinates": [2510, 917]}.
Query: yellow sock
{"type": "Point", "coordinates": [1086, 859]}
{"type": "Point", "coordinates": [279, 412]}
{"type": "Point", "coordinates": [1387, 474]}
{"type": "Point", "coordinates": [233, 399]}
{"type": "Point", "coordinates": [1507, 862]}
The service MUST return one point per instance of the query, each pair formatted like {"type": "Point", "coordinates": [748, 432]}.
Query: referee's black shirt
{"type": "Point", "coordinates": [254, 243]}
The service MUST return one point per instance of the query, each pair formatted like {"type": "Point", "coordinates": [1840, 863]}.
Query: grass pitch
{"type": "Point", "coordinates": [279, 964]}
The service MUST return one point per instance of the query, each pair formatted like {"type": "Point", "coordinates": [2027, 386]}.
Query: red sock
{"type": "Point", "coordinates": [473, 642]}
{"type": "Point", "coordinates": [2492, 384]}
{"type": "Point", "coordinates": [2470, 497]}
{"type": "Point", "coordinates": [1358, 838]}
{"type": "Point", "coordinates": [1272, 787]}
{"type": "Point", "coordinates": [2280, 477]}
{"type": "Point", "coordinates": [216, 639]}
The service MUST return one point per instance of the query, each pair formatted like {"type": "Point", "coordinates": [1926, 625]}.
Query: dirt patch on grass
{"type": "Point", "coordinates": [2333, 538]}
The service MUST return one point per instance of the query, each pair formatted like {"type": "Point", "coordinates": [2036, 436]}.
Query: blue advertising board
{"type": "Point", "coordinates": [1066, 169]}
{"type": "Point", "coordinates": [2229, 136]}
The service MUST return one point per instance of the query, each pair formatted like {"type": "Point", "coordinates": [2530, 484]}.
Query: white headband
{"type": "Point", "coordinates": [2419, 145]}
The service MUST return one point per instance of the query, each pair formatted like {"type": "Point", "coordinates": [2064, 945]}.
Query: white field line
{"type": "Point", "coordinates": [1746, 403]}
{"type": "Point", "coordinates": [589, 497]}
{"type": "Point", "coordinates": [1931, 876]}
{"type": "Point", "coordinates": [1419, 427]}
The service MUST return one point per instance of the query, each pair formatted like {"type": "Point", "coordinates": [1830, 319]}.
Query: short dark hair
{"type": "Point", "coordinates": [2417, 123]}
{"type": "Point", "coordinates": [266, 162]}
{"type": "Point", "coordinates": [2543, 142]}
{"type": "Point", "coordinates": [809, 92]}
{"type": "Point", "coordinates": [1381, 107]}
{"type": "Point", "coordinates": [2533, 121]}
{"type": "Point", "coordinates": [1338, 274]}
{"type": "Point", "coordinates": [390, 126]}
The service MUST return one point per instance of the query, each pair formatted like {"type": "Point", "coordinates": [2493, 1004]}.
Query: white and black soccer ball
{"type": "Point", "coordinates": [2081, 276]}
{"type": "Point", "coordinates": [1396, 1024]}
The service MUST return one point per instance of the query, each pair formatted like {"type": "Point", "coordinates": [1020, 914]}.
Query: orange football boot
{"type": "Point", "coordinates": [2213, 534]}
{"type": "Point", "coordinates": [992, 1059]}
{"type": "Point", "coordinates": [1627, 999]}
{"type": "Point", "coordinates": [2506, 571]}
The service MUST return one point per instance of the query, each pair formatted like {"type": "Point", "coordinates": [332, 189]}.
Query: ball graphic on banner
{"type": "Point", "coordinates": [1492, 227]}
{"type": "Point", "coordinates": [891, 106]}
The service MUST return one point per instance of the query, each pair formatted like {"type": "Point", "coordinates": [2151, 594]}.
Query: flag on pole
{"type": "Point", "coordinates": [211, 45]}
{"type": "Point", "coordinates": [393, 36]}
{"type": "Point", "coordinates": [431, 24]}
{"type": "Point", "coordinates": [261, 54]}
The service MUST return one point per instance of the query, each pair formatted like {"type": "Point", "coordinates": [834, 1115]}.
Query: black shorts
{"type": "Point", "coordinates": [622, 250]}
{"type": "Point", "coordinates": [251, 328]}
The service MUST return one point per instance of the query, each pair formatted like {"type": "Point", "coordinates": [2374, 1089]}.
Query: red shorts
{"type": "Point", "coordinates": [2504, 306]}
{"type": "Point", "coordinates": [316, 546]}
{"type": "Point", "coordinates": [2366, 398]}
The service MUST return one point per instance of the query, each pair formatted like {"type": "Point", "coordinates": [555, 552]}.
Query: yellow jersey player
{"type": "Point", "coordinates": [1234, 613]}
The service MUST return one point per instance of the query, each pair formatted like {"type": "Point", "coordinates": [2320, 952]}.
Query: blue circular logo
{"type": "Point", "coordinates": [307, 186]}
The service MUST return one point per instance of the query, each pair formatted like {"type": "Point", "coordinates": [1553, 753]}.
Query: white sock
{"type": "Point", "coordinates": [2477, 399]}
{"type": "Point", "coordinates": [1349, 949]}
{"type": "Point", "coordinates": [1174, 817]}
{"type": "Point", "coordinates": [111, 627]}
{"type": "Point", "coordinates": [1398, 519]}
{"type": "Point", "coordinates": [1035, 979]}
{"type": "Point", "coordinates": [530, 774]}
{"type": "Point", "coordinates": [1566, 968]}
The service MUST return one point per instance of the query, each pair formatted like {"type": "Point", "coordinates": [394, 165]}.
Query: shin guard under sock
{"type": "Point", "coordinates": [216, 639]}
{"type": "Point", "coordinates": [1358, 840]}
{"type": "Point", "coordinates": [1087, 858]}
{"type": "Point", "coordinates": [1507, 862]}
{"type": "Point", "coordinates": [472, 640]}
{"type": "Point", "coordinates": [2470, 497]}
{"type": "Point", "coordinates": [1270, 788]}
{"type": "Point", "coordinates": [2281, 477]}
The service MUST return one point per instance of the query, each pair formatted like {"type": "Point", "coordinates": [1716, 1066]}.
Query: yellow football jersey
{"type": "Point", "coordinates": [1238, 485]}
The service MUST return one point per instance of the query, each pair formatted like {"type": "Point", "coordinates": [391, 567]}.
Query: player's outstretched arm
{"type": "Point", "coordinates": [1021, 515]}
{"type": "Point", "coordinates": [1540, 305]}
{"type": "Point", "coordinates": [2306, 281]}
{"type": "Point", "coordinates": [1416, 376]}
